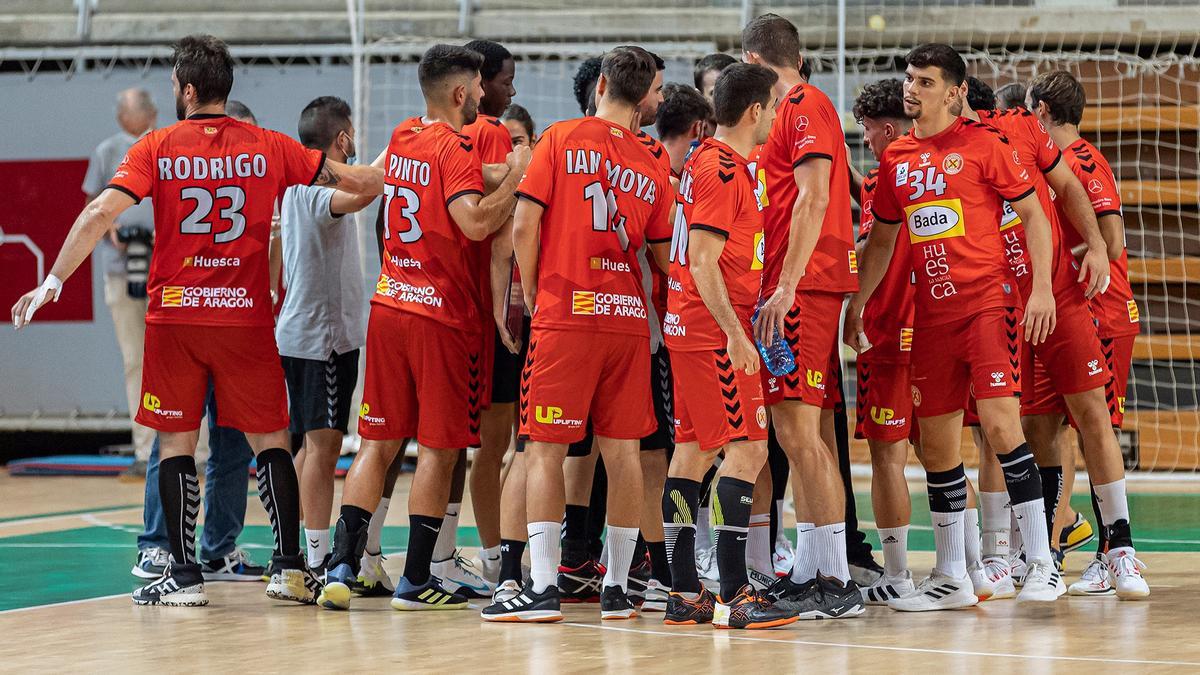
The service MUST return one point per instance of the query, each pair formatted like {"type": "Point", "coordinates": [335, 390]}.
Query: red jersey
{"type": "Point", "coordinates": [1115, 310]}
{"type": "Point", "coordinates": [888, 314]}
{"type": "Point", "coordinates": [214, 182]}
{"type": "Point", "coordinates": [949, 190]}
{"type": "Point", "coordinates": [807, 127]}
{"type": "Point", "coordinates": [1034, 148]}
{"type": "Point", "coordinates": [658, 278]}
{"type": "Point", "coordinates": [492, 143]}
{"type": "Point", "coordinates": [717, 192]}
{"type": "Point", "coordinates": [604, 194]}
{"type": "Point", "coordinates": [430, 267]}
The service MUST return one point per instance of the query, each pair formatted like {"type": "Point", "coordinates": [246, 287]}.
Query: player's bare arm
{"type": "Point", "coordinates": [344, 202]}
{"type": "Point", "coordinates": [812, 184]}
{"type": "Point", "coordinates": [96, 220]}
{"type": "Point", "coordinates": [527, 225]}
{"type": "Point", "coordinates": [1094, 266]}
{"type": "Point", "coordinates": [357, 179]}
{"type": "Point", "coordinates": [874, 258]}
{"type": "Point", "coordinates": [1039, 308]}
{"type": "Point", "coordinates": [501, 275]}
{"type": "Point", "coordinates": [478, 218]}
{"type": "Point", "coordinates": [1112, 228]}
{"type": "Point", "coordinates": [704, 252]}
{"type": "Point", "coordinates": [493, 176]}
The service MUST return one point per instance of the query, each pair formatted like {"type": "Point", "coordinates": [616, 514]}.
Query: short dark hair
{"type": "Point", "coordinates": [442, 61]}
{"type": "Point", "coordinates": [1011, 95]}
{"type": "Point", "coordinates": [1063, 94]}
{"type": "Point", "coordinates": [518, 113]}
{"type": "Point", "coordinates": [979, 95]}
{"type": "Point", "coordinates": [322, 120]}
{"type": "Point", "coordinates": [659, 64]}
{"type": "Point", "coordinates": [629, 72]}
{"type": "Point", "coordinates": [881, 100]}
{"type": "Point", "coordinates": [239, 110]}
{"type": "Point", "coordinates": [717, 62]}
{"type": "Point", "coordinates": [494, 55]}
{"type": "Point", "coordinates": [203, 61]}
{"type": "Point", "coordinates": [954, 69]}
{"type": "Point", "coordinates": [738, 87]}
{"type": "Point", "coordinates": [682, 106]}
{"type": "Point", "coordinates": [584, 84]}
{"type": "Point", "coordinates": [806, 69]}
{"type": "Point", "coordinates": [773, 38]}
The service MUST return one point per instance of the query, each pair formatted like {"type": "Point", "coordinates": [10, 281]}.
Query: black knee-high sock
{"type": "Point", "coordinates": [731, 520]}
{"type": "Point", "coordinates": [179, 491]}
{"type": "Point", "coordinates": [1102, 534]}
{"type": "Point", "coordinates": [511, 552]}
{"type": "Point", "coordinates": [706, 486]}
{"type": "Point", "coordinates": [639, 551]}
{"type": "Point", "coordinates": [574, 536]}
{"type": "Point", "coordinates": [660, 565]}
{"type": "Point", "coordinates": [350, 537]}
{"type": "Point", "coordinates": [597, 511]}
{"type": "Point", "coordinates": [422, 535]}
{"type": "Point", "coordinates": [1052, 484]}
{"type": "Point", "coordinates": [780, 470]}
{"type": "Point", "coordinates": [681, 498]}
{"type": "Point", "coordinates": [280, 494]}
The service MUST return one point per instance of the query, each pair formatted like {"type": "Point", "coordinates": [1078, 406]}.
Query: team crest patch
{"type": "Point", "coordinates": [953, 163]}
{"type": "Point", "coordinates": [760, 416]}
{"type": "Point", "coordinates": [616, 132]}
{"type": "Point", "coordinates": [916, 396]}
{"type": "Point", "coordinates": [210, 131]}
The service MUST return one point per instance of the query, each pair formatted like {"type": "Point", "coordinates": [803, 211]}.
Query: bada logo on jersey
{"type": "Point", "coordinates": [938, 219]}
{"type": "Point", "coordinates": [760, 252]}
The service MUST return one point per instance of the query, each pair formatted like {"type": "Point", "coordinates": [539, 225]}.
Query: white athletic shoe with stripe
{"type": "Point", "coordinates": [1095, 579]}
{"type": "Point", "coordinates": [1126, 571]}
{"type": "Point", "coordinates": [1043, 583]}
{"type": "Point", "coordinates": [993, 579]}
{"type": "Point", "coordinates": [888, 588]}
{"type": "Point", "coordinates": [937, 592]}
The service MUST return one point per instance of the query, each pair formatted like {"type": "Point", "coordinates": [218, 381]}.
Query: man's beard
{"type": "Point", "coordinates": [180, 108]}
{"type": "Point", "coordinates": [470, 111]}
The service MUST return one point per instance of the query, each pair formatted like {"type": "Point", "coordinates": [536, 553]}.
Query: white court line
{"type": "Point", "coordinates": [65, 516]}
{"type": "Point", "coordinates": [65, 603]}
{"type": "Point", "coordinates": [920, 650]}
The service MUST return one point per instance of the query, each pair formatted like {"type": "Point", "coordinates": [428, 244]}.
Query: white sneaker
{"type": "Point", "coordinates": [1095, 579]}
{"type": "Point", "coordinates": [373, 580]}
{"type": "Point", "coordinates": [992, 579]}
{"type": "Point", "coordinates": [784, 556]}
{"type": "Point", "coordinates": [887, 588]}
{"type": "Point", "coordinates": [938, 591]}
{"type": "Point", "coordinates": [1017, 567]}
{"type": "Point", "coordinates": [706, 565]}
{"type": "Point", "coordinates": [458, 576]}
{"type": "Point", "coordinates": [506, 591]}
{"type": "Point", "coordinates": [1040, 584]}
{"type": "Point", "coordinates": [294, 585]}
{"type": "Point", "coordinates": [1127, 573]}
{"type": "Point", "coordinates": [656, 596]}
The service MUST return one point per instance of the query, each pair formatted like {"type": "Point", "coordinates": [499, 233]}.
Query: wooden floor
{"type": "Point", "coordinates": [100, 630]}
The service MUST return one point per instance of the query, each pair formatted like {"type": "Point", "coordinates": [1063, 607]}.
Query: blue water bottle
{"type": "Point", "coordinates": [777, 356]}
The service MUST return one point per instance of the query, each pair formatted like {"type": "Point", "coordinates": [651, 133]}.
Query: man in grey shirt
{"type": "Point", "coordinates": [136, 116]}
{"type": "Point", "coordinates": [321, 326]}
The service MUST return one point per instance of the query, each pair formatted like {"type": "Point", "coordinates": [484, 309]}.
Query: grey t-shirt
{"type": "Point", "coordinates": [323, 306]}
{"type": "Point", "coordinates": [101, 167]}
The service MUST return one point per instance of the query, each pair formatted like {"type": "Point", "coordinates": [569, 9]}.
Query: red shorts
{"type": "Point", "coordinates": [423, 380]}
{"type": "Point", "coordinates": [1118, 357]}
{"type": "Point", "coordinates": [1070, 361]}
{"type": "Point", "coordinates": [242, 362]}
{"type": "Point", "coordinates": [979, 355]}
{"type": "Point", "coordinates": [811, 329]}
{"type": "Point", "coordinates": [570, 376]}
{"type": "Point", "coordinates": [714, 404]}
{"type": "Point", "coordinates": [884, 402]}
{"type": "Point", "coordinates": [833, 383]}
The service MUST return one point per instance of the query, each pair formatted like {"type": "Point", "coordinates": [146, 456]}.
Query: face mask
{"type": "Point", "coordinates": [351, 156]}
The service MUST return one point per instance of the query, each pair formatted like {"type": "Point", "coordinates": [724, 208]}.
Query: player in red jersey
{"type": "Point", "coordinates": [884, 402]}
{"type": "Point", "coordinates": [947, 180]}
{"type": "Point", "coordinates": [1057, 100]}
{"type": "Point", "coordinates": [501, 366]}
{"type": "Point", "coordinates": [589, 350]}
{"type": "Point", "coordinates": [810, 265]}
{"type": "Point", "coordinates": [716, 274]}
{"type": "Point", "coordinates": [423, 375]}
{"type": "Point", "coordinates": [214, 182]}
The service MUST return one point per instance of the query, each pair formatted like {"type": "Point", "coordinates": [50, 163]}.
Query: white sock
{"type": "Point", "coordinates": [828, 543]}
{"type": "Point", "coordinates": [1014, 533]}
{"type": "Point", "coordinates": [997, 521]}
{"type": "Point", "coordinates": [704, 538]}
{"type": "Point", "coordinates": [759, 552]}
{"type": "Point", "coordinates": [948, 537]}
{"type": "Point", "coordinates": [447, 539]}
{"type": "Point", "coordinates": [805, 567]}
{"type": "Point", "coordinates": [490, 554]}
{"type": "Point", "coordinates": [375, 527]}
{"type": "Point", "coordinates": [544, 554]}
{"type": "Point", "coordinates": [780, 535]}
{"type": "Point", "coordinates": [317, 544]}
{"type": "Point", "coordinates": [1113, 504]}
{"type": "Point", "coordinates": [971, 536]}
{"type": "Point", "coordinates": [1031, 521]}
{"type": "Point", "coordinates": [895, 549]}
{"type": "Point", "coordinates": [620, 543]}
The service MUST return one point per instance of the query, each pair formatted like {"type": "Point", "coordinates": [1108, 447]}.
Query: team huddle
{"type": "Point", "coordinates": [658, 321]}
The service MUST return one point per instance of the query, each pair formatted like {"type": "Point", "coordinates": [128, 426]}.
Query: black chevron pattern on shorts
{"type": "Point", "coordinates": [864, 389]}
{"type": "Point", "coordinates": [523, 404]}
{"type": "Point", "coordinates": [734, 415]}
{"type": "Point", "coordinates": [1111, 395]}
{"type": "Point", "coordinates": [1013, 343]}
{"type": "Point", "coordinates": [331, 393]}
{"type": "Point", "coordinates": [475, 392]}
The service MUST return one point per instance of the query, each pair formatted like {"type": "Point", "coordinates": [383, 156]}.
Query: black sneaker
{"type": "Point", "coordinates": [237, 566]}
{"type": "Point", "coordinates": [615, 605]}
{"type": "Point", "coordinates": [429, 595]}
{"type": "Point", "coordinates": [179, 586]}
{"type": "Point", "coordinates": [527, 607]}
{"type": "Point", "coordinates": [750, 610]}
{"type": "Point", "coordinates": [639, 581]}
{"type": "Point", "coordinates": [151, 563]}
{"type": "Point", "coordinates": [785, 588]}
{"type": "Point", "coordinates": [684, 612]}
{"type": "Point", "coordinates": [825, 598]}
{"type": "Point", "coordinates": [582, 583]}
{"type": "Point", "coordinates": [865, 571]}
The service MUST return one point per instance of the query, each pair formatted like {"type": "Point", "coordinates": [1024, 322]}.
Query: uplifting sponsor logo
{"type": "Point", "coordinates": [553, 415]}
{"type": "Point", "coordinates": [219, 297]}
{"type": "Point", "coordinates": [815, 379]}
{"type": "Point", "coordinates": [886, 417]}
{"type": "Point", "coordinates": [152, 403]}
{"type": "Point", "coordinates": [364, 413]}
